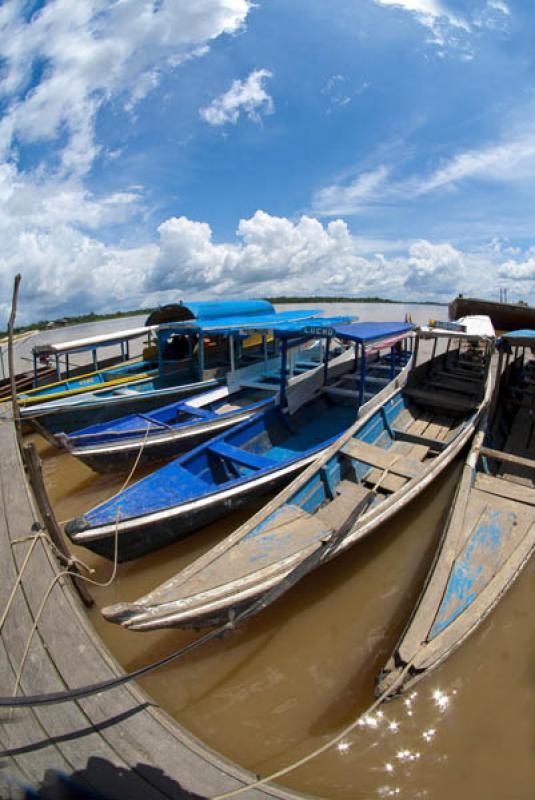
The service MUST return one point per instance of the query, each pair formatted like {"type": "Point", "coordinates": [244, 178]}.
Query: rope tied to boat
{"type": "Point", "coordinates": [322, 748]}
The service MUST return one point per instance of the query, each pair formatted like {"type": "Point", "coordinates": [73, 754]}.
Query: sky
{"type": "Point", "coordinates": [166, 149]}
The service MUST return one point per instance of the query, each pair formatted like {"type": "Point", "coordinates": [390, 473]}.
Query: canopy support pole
{"type": "Point", "coordinates": [326, 361]}
{"type": "Point", "coordinates": [284, 354]}
{"type": "Point", "coordinates": [265, 349]}
{"type": "Point", "coordinates": [35, 371]}
{"type": "Point", "coordinates": [201, 356]}
{"type": "Point", "coordinates": [231, 353]}
{"type": "Point", "coordinates": [392, 363]}
{"type": "Point", "coordinates": [362, 374]}
{"type": "Point", "coordinates": [58, 368]}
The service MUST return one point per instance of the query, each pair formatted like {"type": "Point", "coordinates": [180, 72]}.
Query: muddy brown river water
{"type": "Point", "coordinates": [295, 676]}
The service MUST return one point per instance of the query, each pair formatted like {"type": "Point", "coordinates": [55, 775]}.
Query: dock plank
{"type": "Point", "coordinates": [107, 738]}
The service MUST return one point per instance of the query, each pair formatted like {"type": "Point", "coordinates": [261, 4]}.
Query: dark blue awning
{"type": "Point", "coordinates": [365, 332]}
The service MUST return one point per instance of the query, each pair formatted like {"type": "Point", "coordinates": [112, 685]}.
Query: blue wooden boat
{"type": "Point", "coordinates": [252, 459]}
{"type": "Point", "coordinates": [375, 468]}
{"type": "Point", "coordinates": [193, 355]}
{"type": "Point", "coordinates": [144, 438]}
{"type": "Point", "coordinates": [490, 534]}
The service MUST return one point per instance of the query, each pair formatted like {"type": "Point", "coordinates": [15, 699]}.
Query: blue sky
{"type": "Point", "coordinates": [150, 151]}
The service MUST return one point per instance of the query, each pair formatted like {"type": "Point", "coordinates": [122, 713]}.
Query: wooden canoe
{"type": "Point", "coordinates": [488, 538]}
{"type": "Point", "coordinates": [375, 468]}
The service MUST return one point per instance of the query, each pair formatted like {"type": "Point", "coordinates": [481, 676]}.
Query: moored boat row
{"type": "Point", "coordinates": [357, 437]}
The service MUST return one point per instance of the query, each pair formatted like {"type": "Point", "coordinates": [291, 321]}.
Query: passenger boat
{"type": "Point", "coordinates": [175, 428]}
{"type": "Point", "coordinates": [490, 533]}
{"type": "Point", "coordinates": [380, 464]}
{"type": "Point", "coordinates": [193, 355]}
{"type": "Point", "coordinates": [253, 459]}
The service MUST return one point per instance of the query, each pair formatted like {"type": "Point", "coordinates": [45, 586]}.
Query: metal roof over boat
{"type": "Point", "coordinates": [524, 336]}
{"type": "Point", "coordinates": [208, 309]}
{"type": "Point", "coordinates": [365, 332]}
{"type": "Point", "coordinates": [474, 328]}
{"type": "Point", "coordinates": [91, 342]}
{"type": "Point", "coordinates": [238, 322]}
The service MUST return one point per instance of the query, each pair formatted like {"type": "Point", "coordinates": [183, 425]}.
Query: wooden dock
{"type": "Point", "coordinates": [119, 742]}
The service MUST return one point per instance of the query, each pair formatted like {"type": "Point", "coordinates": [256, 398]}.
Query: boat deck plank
{"type": "Point", "coordinates": [111, 740]}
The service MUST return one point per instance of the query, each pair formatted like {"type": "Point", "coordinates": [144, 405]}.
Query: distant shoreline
{"type": "Point", "coordinates": [281, 300]}
{"type": "Point", "coordinates": [80, 319]}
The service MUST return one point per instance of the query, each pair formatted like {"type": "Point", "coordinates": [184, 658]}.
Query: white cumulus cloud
{"type": "Point", "coordinates": [248, 96]}
{"type": "Point", "coordinates": [64, 62]}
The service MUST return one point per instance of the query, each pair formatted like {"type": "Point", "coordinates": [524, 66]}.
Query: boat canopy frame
{"type": "Point", "coordinates": [88, 344]}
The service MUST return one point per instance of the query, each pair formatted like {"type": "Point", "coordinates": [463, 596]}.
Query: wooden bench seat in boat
{"type": "Point", "coordinates": [352, 499]}
{"type": "Point", "coordinates": [335, 391]}
{"type": "Point", "coordinates": [412, 438]}
{"type": "Point", "coordinates": [196, 412]}
{"type": "Point", "coordinates": [258, 385]}
{"type": "Point", "coordinates": [439, 400]}
{"type": "Point", "coordinates": [253, 460]}
{"type": "Point", "coordinates": [505, 489]}
{"type": "Point", "coordinates": [390, 459]}
{"type": "Point", "coordinates": [508, 458]}
{"type": "Point", "coordinates": [454, 385]}
{"type": "Point", "coordinates": [468, 377]}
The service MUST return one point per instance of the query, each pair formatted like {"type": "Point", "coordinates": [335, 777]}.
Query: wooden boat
{"type": "Point", "coordinates": [489, 536]}
{"type": "Point", "coordinates": [179, 426]}
{"type": "Point", "coordinates": [227, 471]}
{"type": "Point", "coordinates": [192, 356]}
{"type": "Point", "coordinates": [504, 316]}
{"type": "Point", "coordinates": [381, 463]}
{"type": "Point", "coordinates": [88, 382]}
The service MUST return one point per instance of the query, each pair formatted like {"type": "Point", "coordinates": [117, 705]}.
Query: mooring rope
{"type": "Point", "coordinates": [322, 748]}
{"type": "Point", "coordinates": [55, 579]}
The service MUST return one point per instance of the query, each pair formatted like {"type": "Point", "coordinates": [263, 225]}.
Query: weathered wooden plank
{"type": "Point", "coordinates": [428, 399]}
{"type": "Point", "coordinates": [510, 458]}
{"type": "Point", "coordinates": [390, 459]}
{"type": "Point", "coordinates": [505, 489]}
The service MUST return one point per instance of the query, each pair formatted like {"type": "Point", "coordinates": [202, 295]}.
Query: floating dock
{"type": "Point", "coordinates": [119, 743]}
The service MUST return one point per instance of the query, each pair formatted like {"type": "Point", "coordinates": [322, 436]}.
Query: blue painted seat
{"type": "Point", "coordinates": [253, 460]}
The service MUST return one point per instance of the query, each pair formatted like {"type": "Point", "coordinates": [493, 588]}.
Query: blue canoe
{"type": "Point", "coordinates": [490, 534]}
{"type": "Point", "coordinates": [144, 438]}
{"type": "Point", "coordinates": [375, 468]}
{"type": "Point", "coordinates": [229, 470]}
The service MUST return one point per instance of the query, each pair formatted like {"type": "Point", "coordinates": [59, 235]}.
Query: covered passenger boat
{"type": "Point", "coordinates": [177, 427]}
{"type": "Point", "coordinates": [255, 457]}
{"type": "Point", "coordinates": [381, 463]}
{"type": "Point", "coordinates": [190, 358]}
{"type": "Point", "coordinates": [490, 533]}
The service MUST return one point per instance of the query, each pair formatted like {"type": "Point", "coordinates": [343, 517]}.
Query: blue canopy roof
{"type": "Point", "coordinates": [237, 323]}
{"type": "Point", "coordinates": [208, 309]}
{"type": "Point", "coordinates": [364, 332]}
{"type": "Point", "coordinates": [524, 333]}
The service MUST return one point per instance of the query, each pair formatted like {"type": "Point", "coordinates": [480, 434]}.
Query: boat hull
{"type": "Point", "coordinates": [70, 417]}
{"type": "Point", "coordinates": [139, 540]}
{"type": "Point", "coordinates": [504, 316]}
{"type": "Point", "coordinates": [488, 538]}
